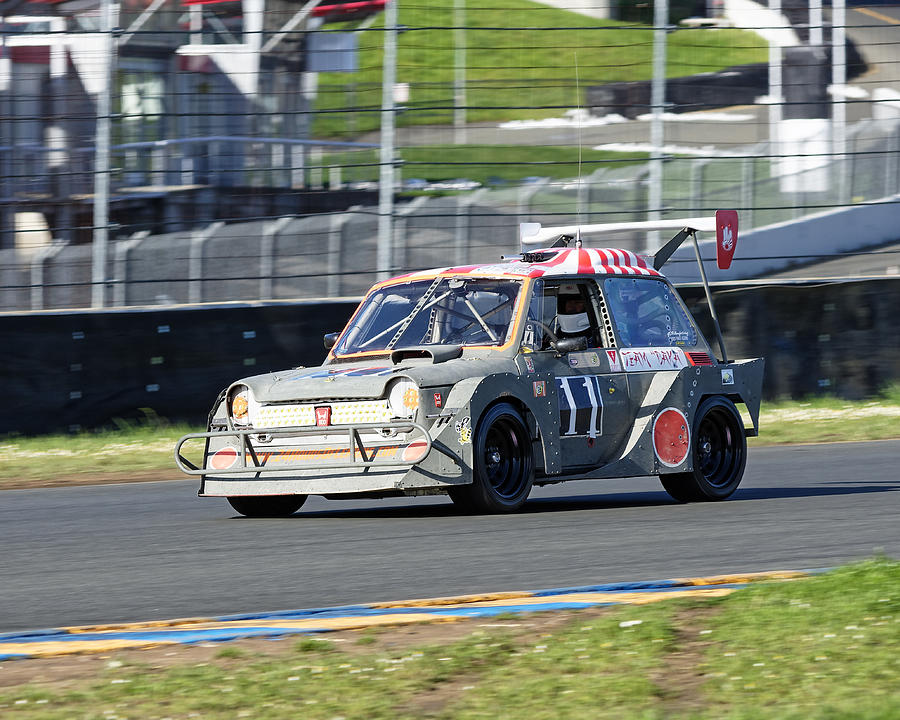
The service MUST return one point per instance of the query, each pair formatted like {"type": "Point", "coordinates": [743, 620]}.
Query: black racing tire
{"type": "Point", "coordinates": [267, 505]}
{"type": "Point", "coordinates": [503, 464]}
{"type": "Point", "coordinates": [719, 448]}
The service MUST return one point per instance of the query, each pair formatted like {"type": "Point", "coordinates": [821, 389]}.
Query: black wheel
{"type": "Point", "coordinates": [504, 464]}
{"type": "Point", "coordinates": [719, 449]}
{"type": "Point", "coordinates": [268, 505]}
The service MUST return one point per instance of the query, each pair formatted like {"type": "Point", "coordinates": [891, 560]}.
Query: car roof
{"type": "Point", "coordinates": [551, 262]}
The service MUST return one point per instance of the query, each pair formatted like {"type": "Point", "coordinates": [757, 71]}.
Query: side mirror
{"type": "Point", "coordinates": [330, 339]}
{"type": "Point", "coordinates": [572, 344]}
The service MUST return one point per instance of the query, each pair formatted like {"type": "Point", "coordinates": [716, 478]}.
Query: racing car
{"type": "Point", "coordinates": [563, 362]}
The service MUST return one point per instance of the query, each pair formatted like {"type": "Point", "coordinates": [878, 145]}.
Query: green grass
{"type": "Point", "coordinates": [521, 62]}
{"type": "Point", "coordinates": [143, 448]}
{"type": "Point", "coordinates": [823, 647]}
{"type": "Point", "coordinates": [487, 164]}
{"type": "Point", "coordinates": [830, 419]}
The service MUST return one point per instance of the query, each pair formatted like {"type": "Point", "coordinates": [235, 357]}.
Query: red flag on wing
{"type": "Point", "coordinates": [726, 237]}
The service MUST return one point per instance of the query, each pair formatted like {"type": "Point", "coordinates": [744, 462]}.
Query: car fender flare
{"type": "Point", "coordinates": [474, 396]}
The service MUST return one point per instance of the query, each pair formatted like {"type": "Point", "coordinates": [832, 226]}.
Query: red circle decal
{"type": "Point", "coordinates": [223, 459]}
{"type": "Point", "coordinates": [671, 437]}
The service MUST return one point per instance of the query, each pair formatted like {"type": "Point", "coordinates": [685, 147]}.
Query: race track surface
{"type": "Point", "coordinates": [118, 553]}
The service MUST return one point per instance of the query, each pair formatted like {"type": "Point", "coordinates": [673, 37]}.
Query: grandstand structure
{"type": "Point", "coordinates": [207, 96]}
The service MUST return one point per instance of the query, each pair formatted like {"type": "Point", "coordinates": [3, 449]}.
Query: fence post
{"type": "Point", "coordinates": [37, 272]}
{"type": "Point", "coordinates": [748, 178]}
{"type": "Point", "coordinates": [890, 161]}
{"type": "Point", "coordinates": [267, 255]}
{"type": "Point", "coordinates": [463, 229]}
{"type": "Point", "coordinates": [696, 184]}
{"type": "Point", "coordinates": [526, 192]}
{"type": "Point", "coordinates": [335, 241]}
{"type": "Point", "coordinates": [123, 249]}
{"type": "Point", "coordinates": [401, 237]}
{"type": "Point", "coordinates": [195, 261]}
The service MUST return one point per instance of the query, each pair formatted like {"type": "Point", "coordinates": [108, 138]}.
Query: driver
{"type": "Point", "coordinates": [572, 318]}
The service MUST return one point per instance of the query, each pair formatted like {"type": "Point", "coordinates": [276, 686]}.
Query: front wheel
{"type": "Point", "coordinates": [503, 464]}
{"type": "Point", "coordinates": [268, 505]}
{"type": "Point", "coordinates": [719, 449]}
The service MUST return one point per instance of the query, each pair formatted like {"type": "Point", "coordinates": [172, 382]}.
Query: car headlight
{"type": "Point", "coordinates": [403, 398]}
{"type": "Point", "coordinates": [239, 405]}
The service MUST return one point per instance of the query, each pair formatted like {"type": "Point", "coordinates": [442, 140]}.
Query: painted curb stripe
{"type": "Point", "coordinates": [105, 638]}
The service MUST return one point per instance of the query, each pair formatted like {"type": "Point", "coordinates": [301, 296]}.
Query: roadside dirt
{"type": "Point", "coordinates": [112, 478]}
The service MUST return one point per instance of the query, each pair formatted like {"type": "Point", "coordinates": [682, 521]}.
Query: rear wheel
{"type": "Point", "coordinates": [503, 464]}
{"type": "Point", "coordinates": [268, 505]}
{"type": "Point", "coordinates": [719, 449]}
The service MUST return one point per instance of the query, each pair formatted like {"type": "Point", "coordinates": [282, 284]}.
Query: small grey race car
{"type": "Point", "coordinates": [483, 381]}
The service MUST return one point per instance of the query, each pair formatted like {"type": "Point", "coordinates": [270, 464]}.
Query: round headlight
{"type": "Point", "coordinates": [239, 405]}
{"type": "Point", "coordinates": [403, 398]}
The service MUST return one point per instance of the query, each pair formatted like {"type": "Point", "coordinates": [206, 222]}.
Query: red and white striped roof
{"type": "Point", "coordinates": [588, 261]}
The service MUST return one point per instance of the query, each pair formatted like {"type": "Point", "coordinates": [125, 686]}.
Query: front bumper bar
{"type": "Point", "coordinates": [360, 456]}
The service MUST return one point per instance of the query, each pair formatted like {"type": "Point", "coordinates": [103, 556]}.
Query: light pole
{"type": "Point", "coordinates": [386, 156]}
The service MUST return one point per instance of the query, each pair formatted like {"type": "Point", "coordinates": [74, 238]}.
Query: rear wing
{"type": "Point", "coordinates": [724, 223]}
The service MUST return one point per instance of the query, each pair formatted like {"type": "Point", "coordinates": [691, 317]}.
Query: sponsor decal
{"type": "Point", "coordinates": [678, 337]}
{"type": "Point", "coordinates": [438, 400]}
{"type": "Point", "coordinates": [323, 416]}
{"type": "Point", "coordinates": [671, 437]}
{"type": "Point", "coordinates": [529, 364]}
{"type": "Point", "coordinates": [464, 430]}
{"type": "Point", "coordinates": [580, 406]}
{"type": "Point", "coordinates": [540, 388]}
{"type": "Point", "coordinates": [726, 237]}
{"type": "Point", "coordinates": [728, 377]}
{"type": "Point", "coordinates": [585, 359]}
{"type": "Point", "coordinates": [643, 359]}
{"type": "Point", "coordinates": [613, 357]}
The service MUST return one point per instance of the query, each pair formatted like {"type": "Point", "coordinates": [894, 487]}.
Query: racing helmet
{"type": "Point", "coordinates": [570, 322]}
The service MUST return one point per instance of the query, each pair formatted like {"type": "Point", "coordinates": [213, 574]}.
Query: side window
{"type": "Point", "coordinates": [563, 309]}
{"type": "Point", "coordinates": [648, 313]}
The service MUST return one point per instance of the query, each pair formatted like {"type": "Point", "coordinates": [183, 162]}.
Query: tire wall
{"type": "Point", "coordinates": [65, 371]}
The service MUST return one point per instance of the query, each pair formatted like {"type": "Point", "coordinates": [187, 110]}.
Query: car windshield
{"type": "Point", "coordinates": [439, 311]}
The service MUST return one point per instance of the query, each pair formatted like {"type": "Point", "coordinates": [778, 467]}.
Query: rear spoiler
{"type": "Point", "coordinates": [724, 223]}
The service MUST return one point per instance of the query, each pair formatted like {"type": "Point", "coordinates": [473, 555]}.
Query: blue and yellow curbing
{"type": "Point", "coordinates": [130, 636]}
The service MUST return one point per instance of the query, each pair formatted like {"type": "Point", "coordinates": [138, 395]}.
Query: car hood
{"type": "Point", "coordinates": [367, 380]}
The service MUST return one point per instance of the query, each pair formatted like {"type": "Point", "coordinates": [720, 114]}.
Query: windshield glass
{"type": "Point", "coordinates": [439, 311]}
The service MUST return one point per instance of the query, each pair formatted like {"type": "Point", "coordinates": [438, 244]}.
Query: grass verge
{"type": "Point", "coordinates": [521, 60]}
{"type": "Point", "coordinates": [145, 451]}
{"type": "Point", "coordinates": [822, 647]}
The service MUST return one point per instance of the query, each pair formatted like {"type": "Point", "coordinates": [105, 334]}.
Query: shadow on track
{"type": "Point", "coordinates": [583, 503]}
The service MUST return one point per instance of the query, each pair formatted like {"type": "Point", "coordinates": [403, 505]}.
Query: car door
{"type": "Point", "coordinates": [590, 389]}
{"type": "Point", "coordinates": [654, 330]}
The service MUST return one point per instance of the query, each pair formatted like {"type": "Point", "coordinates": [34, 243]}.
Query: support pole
{"type": "Point", "coordinates": [657, 101]}
{"type": "Point", "coordinates": [775, 93]}
{"type": "Point", "coordinates": [459, 72]}
{"type": "Point", "coordinates": [815, 22]}
{"type": "Point", "coordinates": [838, 98]}
{"type": "Point", "coordinates": [709, 300]}
{"type": "Point", "coordinates": [386, 157]}
{"type": "Point", "coordinates": [108, 13]}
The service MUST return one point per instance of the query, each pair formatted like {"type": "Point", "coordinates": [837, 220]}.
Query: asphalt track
{"type": "Point", "coordinates": [104, 554]}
